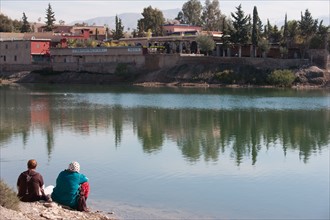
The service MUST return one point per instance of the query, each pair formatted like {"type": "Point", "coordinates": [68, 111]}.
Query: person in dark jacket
{"type": "Point", "coordinates": [30, 184]}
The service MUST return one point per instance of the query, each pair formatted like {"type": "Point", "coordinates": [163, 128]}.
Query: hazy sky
{"type": "Point", "coordinates": [73, 10]}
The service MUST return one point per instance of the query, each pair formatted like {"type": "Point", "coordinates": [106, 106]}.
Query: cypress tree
{"type": "Point", "coordinates": [25, 24]}
{"type": "Point", "coordinates": [255, 31]}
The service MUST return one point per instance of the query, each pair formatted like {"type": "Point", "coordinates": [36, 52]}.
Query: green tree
{"type": "Point", "coordinates": [319, 41]}
{"type": "Point", "coordinates": [153, 19]}
{"type": "Point", "coordinates": [285, 37]}
{"type": "Point", "coordinates": [6, 24]}
{"type": "Point", "coordinates": [16, 26]}
{"type": "Point", "coordinates": [119, 30]}
{"type": "Point", "coordinates": [205, 43]}
{"type": "Point", "coordinates": [268, 31]}
{"type": "Point", "coordinates": [264, 46]}
{"type": "Point", "coordinates": [226, 29]}
{"type": "Point", "coordinates": [240, 32]}
{"type": "Point", "coordinates": [191, 12]}
{"type": "Point", "coordinates": [293, 32]}
{"type": "Point", "coordinates": [308, 28]}
{"type": "Point", "coordinates": [50, 19]}
{"type": "Point", "coordinates": [25, 24]}
{"type": "Point", "coordinates": [180, 18]}
{"type": "Point", "coordinates": [211, 16]}
{"type": "Point", "coordinates": [256, 32]}
{"type": "Point", "coordinates": [275, 35]}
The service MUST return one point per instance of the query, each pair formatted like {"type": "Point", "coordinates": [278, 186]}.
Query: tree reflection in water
{"type": "Point", "coordinates": [199, 134]}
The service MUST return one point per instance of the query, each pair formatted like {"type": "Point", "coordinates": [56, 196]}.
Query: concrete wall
{"type": "Point", "coordinates": [22, 67]}
{"type": "Point", "coordinates": [156, 61]}
{"type": "Point", "coordinates": [100, 59]}
{"type": "Point", "coordinates": [15, 52]}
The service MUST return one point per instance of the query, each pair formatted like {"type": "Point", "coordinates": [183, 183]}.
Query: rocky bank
{"type": "Point", "coordinates": [182, 75]}
{"type": "Point", "coordinates": [53, 211]}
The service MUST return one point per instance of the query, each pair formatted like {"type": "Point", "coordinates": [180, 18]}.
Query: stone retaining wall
{"type": "Point", "coordinates": [155, 62]}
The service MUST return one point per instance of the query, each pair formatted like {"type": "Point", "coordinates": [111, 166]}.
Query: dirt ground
{"type": "Point", "coordinates": [43, 211]}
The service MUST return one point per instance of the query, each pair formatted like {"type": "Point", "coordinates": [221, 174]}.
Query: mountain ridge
{"type": "Point", "coordinates": [129, 19]}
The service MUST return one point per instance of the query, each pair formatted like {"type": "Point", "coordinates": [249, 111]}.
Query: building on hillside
{"type": "Point", "coordinates": [24, 51]}
{"type": "Point", "coordinates": [95, 32]}
{"type": "Point", "coordinates": [181, 29]}
{"type": "Point", "coordinates": [57, 28]}
{"type": "Point", "coordinates": [172, 43]}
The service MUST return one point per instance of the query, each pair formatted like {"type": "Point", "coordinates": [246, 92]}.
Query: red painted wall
{"type": "Point", "coordinates": [40, 47]}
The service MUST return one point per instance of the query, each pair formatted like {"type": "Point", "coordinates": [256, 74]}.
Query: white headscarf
{"type": "Point", "coordinates": [74, 166]}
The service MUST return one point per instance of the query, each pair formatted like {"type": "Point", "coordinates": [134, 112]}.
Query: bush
{"type": "Point", "coordinates": [282, 78]}
{"type": "Point", "coordinates": [206, 43]}
{"type": "Point", "coordinates": [226, 76]}
{"type": "Point", "coordinates": [8, 197]}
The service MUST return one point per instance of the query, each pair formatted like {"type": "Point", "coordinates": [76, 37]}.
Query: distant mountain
{"type": "Point", "coordinates": [129, 20]}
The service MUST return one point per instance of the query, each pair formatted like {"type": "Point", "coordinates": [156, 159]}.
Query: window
{"type": "Point", "coordinates": [6, 46]}
{"type": "Point", "coordinates": [15, 58]}
{"type": "Point", "coordinates": [4, 58]}
{"type": "Point", "coordinates": [16, 46]}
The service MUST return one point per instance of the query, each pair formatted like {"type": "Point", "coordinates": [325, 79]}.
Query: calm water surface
{"type": "Point", "coordinates": [169, 153]}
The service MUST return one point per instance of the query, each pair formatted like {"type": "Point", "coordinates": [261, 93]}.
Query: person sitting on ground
{"type": "Point", "coordinates": [72, 188]}
{"type": "Point", "coordinates": [30, 184]}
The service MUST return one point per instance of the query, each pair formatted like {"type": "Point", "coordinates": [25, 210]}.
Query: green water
{"type": "Point", "coordinates": [176, 152]}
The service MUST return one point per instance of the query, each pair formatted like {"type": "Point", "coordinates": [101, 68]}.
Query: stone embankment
{"type": "Point", "coordinates": [44, 211]}
{"type": "Point", "coordinates": [180, 75]}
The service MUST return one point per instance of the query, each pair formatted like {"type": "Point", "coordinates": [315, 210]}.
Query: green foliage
{"type": "Point", "coordinates": [25, 26]}
{"type": "Point", "coordinates": [226, 76]}
{"type": "Point", "coordinates": [211, 16]}
{"type": "Point", "coordinates": [319, 40]}
{"type": "Point", "coordinates": [282, 78]}
{"type": "Point", "coordinates": [307, 24]}
{"type": "Point", "coordinates": [153, 19]}
{"type": "Point", "coordinates": [264, 46]}
{"type": "Point", "coordinates": [191, 13]}
{"type": "Point", "coordinates": [240, 33]}
{"type": "Point", "coordinates": [50, 19]}
{"type": "Point", "coordinates": [8, 197]}
{"type": "Point", "coordinates": [119, 30]}
{"type": "Point", "coordinates": [9, 25]}
{"type": "Point", "coordinates": [255, 31]}
{"type": "Point", "coordinates": [206, 43]}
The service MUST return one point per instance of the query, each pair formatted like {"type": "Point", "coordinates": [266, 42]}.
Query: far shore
{"type": "Point", "coordinates": [189, 85]}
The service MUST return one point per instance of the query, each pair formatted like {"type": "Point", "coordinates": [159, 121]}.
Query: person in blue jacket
{"type": "Point", "coordinates": [68, 187]}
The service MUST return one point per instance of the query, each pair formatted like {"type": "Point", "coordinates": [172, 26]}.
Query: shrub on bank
{"type": "Point", "coordinates": [282, 78]}
{"type": "Point", "coordinates": [226, 76]}
{"type": "Point", "coordinates": [8, 197]}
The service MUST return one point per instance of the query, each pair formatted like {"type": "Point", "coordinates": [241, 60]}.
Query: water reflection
{"type": "Point", "coordinates": [199, 133]}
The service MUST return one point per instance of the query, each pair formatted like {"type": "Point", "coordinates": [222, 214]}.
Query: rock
{"type": "Point", "coordinates": [42, 211]}
{"type": "Point", "coordinates": [311, 75]}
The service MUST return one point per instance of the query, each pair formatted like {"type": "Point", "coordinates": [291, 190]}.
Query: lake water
{"type": "Point", "coordinates": [170, 153]}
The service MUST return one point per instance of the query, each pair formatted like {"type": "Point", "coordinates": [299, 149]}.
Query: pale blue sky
{"type": "Point", "coordinates": [73, 10]}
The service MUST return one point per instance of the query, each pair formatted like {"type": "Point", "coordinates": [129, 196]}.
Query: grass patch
{"type": "Point", "coordinates": [8, 197]}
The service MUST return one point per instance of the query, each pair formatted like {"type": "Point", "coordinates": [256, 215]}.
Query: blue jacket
{"type": "Point", "coordinates": [67, 186]}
